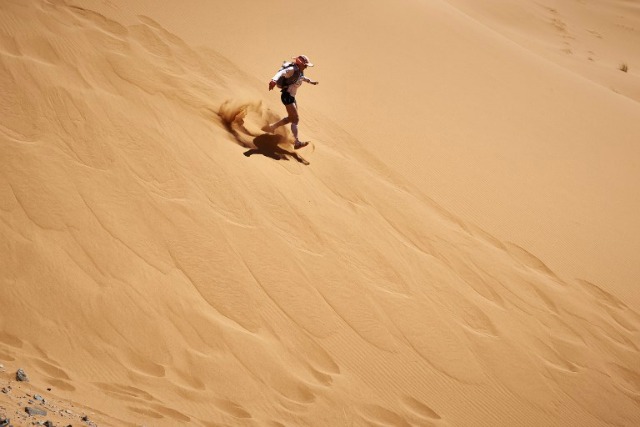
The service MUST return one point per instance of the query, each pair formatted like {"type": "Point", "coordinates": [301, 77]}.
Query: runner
{"type": "Point", "coordinates": [289, 79]}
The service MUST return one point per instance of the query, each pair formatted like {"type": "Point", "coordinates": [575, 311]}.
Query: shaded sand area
{"type": "Point", "coordinates": [164, 262]}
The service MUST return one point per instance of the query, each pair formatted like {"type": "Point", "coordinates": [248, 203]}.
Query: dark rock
{"type": "Point", "coordinates": [35, 411]}
{"type": "Point", "coordinates": [85, 418]}
{"type": "Point", "coordinates": [4, 422]}
{"type": "Point", "coordinates": [48, 424]}
{"type": "Point", "coordinates": [21, 375]}
{"type": "Point", "coordinates": [6, 390]}
{"type": "Point", "coordinates": [39, 398]}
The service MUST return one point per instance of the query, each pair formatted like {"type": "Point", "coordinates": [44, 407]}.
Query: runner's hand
{"type": "Point", "coordinates": [272, 84]}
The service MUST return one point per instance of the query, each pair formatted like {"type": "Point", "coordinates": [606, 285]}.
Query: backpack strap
{"type": "Point", "coordinates": [294, 77]}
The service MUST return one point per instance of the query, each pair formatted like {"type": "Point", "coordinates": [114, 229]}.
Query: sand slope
{"type": "Point", "coordinates": [154, 274]}
{"type": "Point", "coordinates": [514, 115]}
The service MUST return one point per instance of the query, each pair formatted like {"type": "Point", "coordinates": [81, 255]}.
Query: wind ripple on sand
{"type": "Point", "coordinates": [118, 148]}
{"type": "Point", "coordinates": [420, 409]}
{"type": "Point", "coordinates": [427, 334]}
{"type": "Point", "coordinates": [382, 416]}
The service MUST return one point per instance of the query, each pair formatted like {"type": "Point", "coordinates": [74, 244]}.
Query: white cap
{"type": "Point", "coordinates": [304, 59]}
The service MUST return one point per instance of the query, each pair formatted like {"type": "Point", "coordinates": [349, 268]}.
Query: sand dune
{"type": "Point", "coordinates": [454, 249]}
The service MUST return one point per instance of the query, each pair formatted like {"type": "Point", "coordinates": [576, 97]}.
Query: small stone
{"type": "Point", "coordinates": [6, 390]}
{"type": "Point", "coordinates": [48, 424]}
{"type": "Point", "coordinates": [39, 398]}
{"type": "Point", "coordinates": [35, 411]}
{"type": "Point", "coordinates": [21, 375]}
{"type": "Point", "coordinates": [4, 422]}
{"type": "Point", "coordinates": [85, 418]}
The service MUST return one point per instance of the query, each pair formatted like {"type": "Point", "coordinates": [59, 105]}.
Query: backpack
{"type": "Point", "coordinates": [284, 82]}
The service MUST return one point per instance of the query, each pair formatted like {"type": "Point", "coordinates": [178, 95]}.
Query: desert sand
{"type": "Point", "coordinates": [458, 245]}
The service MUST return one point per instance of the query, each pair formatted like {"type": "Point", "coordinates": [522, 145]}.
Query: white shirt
{"type": "Point", "coordinates": [288, 72]}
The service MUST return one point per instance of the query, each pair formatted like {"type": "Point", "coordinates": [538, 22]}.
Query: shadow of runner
{"type": "Point", "coordinates": [268, 145]}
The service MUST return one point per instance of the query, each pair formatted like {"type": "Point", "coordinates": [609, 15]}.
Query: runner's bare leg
{"type": "Point", "coordinates": [292, 110]}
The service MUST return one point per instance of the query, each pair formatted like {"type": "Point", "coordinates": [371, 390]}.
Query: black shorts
{"type": "Point", "coordinates": [287, 98]}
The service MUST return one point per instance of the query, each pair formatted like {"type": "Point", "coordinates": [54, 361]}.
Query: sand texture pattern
{"type": "Point", "coordinates": [457, 246]}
